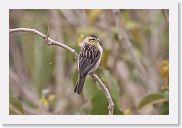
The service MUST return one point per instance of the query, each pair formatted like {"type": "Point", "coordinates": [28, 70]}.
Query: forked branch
{"type": "Point", "coordinates": [51, 42]}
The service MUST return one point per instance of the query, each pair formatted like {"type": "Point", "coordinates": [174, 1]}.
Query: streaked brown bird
{"type": "Point", "coordinates": [89, 59]}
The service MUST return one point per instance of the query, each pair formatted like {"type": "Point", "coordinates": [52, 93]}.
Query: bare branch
{"type": "Point", "coordinates": [50, 41]}
{"type": "Point", "coordinates": [53, 42]}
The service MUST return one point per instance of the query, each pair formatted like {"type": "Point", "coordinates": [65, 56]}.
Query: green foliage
{"type": "Point", "coordinates": [114, 89]}
{"type": "Point", "coordinates": [98, 101]}
{"type": "Point", "coordinates": [165, 108]}
{"type": "Point", "coordinates": [99, 104]}
{"type": "Point", "coordinates": [152, 99]}
{"type": "Point", "coordinates": [111, 83]}
{"type": "Point", "coordinates": [15, 107]}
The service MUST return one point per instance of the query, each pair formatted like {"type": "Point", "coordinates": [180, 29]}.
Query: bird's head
{"type": "Point", "coordinates": [92, 39]}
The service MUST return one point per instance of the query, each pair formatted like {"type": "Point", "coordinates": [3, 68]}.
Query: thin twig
{"type": "Point", "coordinates": [53, 42]}
{"type": "Point", "coordinates": [50, 41]}
{"type": "Point", "coordinates": [48, 31]}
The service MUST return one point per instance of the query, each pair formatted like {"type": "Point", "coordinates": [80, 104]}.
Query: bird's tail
{"type": "Point", "coordinates": [79, 84]}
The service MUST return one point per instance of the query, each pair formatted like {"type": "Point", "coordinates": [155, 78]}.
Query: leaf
{"type": "Point", "coordinates": [99, 102]}
{"type": "Point", "coordinates": [165, 108]}
{"type": "Point", "coordinates": [117, 110]}
{"type": "Point", "coordinates": [114, 89]}
{"type": "Point", "coordinates": [15, 107]}
{"type": "Point", "coordinates": [151, 99]}
{"type": "Point", "coordinates": [165, 105]}
{"type": "Point", "coordinates": [111, 83]}
{"type": "Point", "coordinates": [100, 105]}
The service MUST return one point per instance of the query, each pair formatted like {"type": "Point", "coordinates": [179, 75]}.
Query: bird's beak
{"type": "Point", "coordinates": [98, 40]}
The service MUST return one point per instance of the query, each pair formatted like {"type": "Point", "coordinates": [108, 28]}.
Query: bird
{"type": "Point", "coordinates": [88, 60]}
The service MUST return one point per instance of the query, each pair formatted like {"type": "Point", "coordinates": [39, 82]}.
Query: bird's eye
{"type": "Point", "coordinates": [92, 39]}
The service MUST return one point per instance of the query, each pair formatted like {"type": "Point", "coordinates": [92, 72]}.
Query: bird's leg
{"type": "Point", "coordinates": [91, 73]}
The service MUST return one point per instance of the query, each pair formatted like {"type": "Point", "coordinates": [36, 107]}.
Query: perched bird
{"type": "Point", "coordinates": [89, 60]}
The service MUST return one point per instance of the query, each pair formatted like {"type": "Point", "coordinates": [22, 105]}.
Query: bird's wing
{"type": "Point", "coordinates": [88, 58]}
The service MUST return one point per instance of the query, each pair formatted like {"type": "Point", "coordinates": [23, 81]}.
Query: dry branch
{"type": "Point", "coordinates": [49, 40]}
{"type": "Point", "coordinates": [53, 42]}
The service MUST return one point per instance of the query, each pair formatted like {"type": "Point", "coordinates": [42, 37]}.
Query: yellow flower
{"type": "Point", "coordinates": [44, 101]}
{"type": "Point", "coordinates": [46, 98]}
{"type": "Point", "coordinates": [164, 69]}
{"type": "Point", "coordinates": [127, 111]}
{"type": "Point", "coordinates": [51, 98]}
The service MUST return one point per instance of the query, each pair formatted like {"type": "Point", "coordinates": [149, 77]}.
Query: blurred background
{"type": "Point", "coordinates": [134, 66]}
